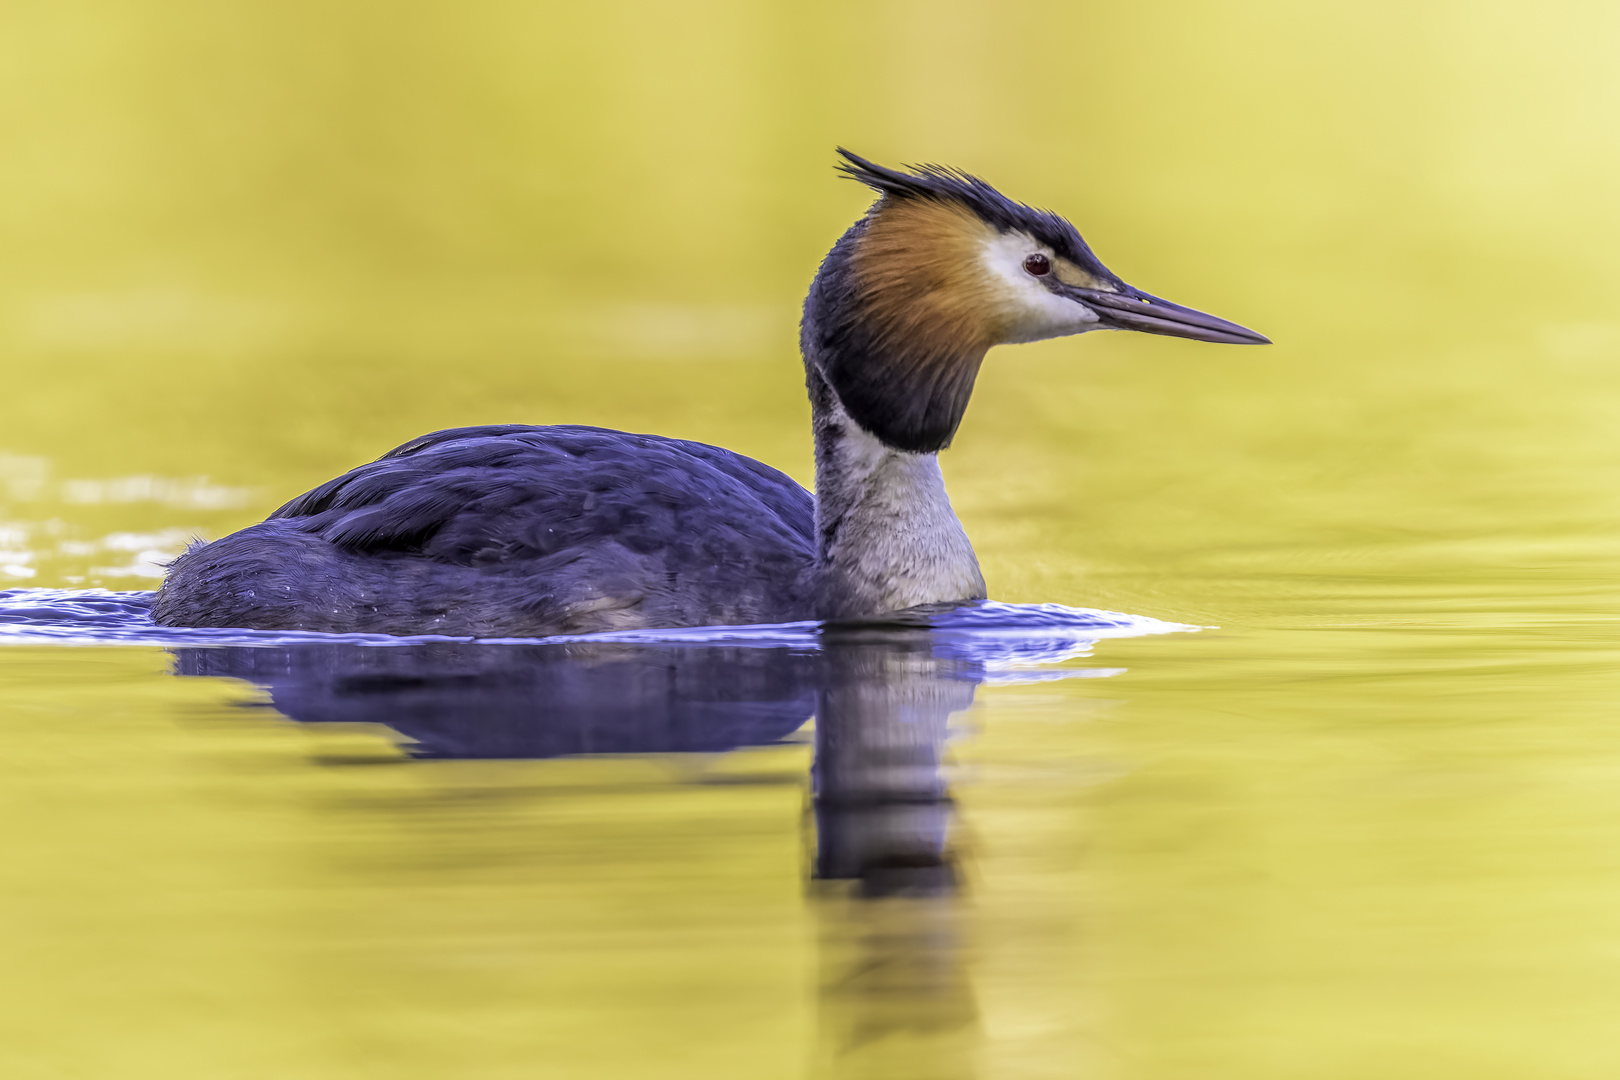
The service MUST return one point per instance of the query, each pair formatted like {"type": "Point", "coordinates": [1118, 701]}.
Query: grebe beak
{"type": "Point", "coordinates": [1132, 309]}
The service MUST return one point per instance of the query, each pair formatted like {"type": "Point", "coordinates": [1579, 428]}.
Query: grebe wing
{"type": "Point", "coordinates": [482, 495]}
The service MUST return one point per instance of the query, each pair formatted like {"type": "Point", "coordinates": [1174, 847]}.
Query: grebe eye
{"type": "Point", "coordinates": [1039, 265]}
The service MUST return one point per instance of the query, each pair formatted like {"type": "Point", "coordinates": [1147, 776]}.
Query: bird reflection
{"type": "Point", "coordinates": [896, 997]}
{"type": "Point", "coordinates": [882, 808]}
{"type": "Point", "coordinates": [895, 956]}
{"type": "Point", "coordinates": [882, 697]}
{"type": "Point", "coordinates": [893, 966]}
{"type": "Point", "coordinates": [464, 700]}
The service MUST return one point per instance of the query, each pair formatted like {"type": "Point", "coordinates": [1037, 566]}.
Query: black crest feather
{"type": "Point", "coordinates": [945, 184]}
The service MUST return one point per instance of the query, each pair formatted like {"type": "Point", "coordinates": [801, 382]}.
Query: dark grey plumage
{"type": "Point", "coordinates": [515, 531]}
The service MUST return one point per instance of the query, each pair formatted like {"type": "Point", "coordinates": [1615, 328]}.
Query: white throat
{"type": "Point", "coordinates": [889, 538]}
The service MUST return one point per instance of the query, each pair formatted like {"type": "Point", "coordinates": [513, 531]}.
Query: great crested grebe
{"type": "Point", "coordinates": [517, 531]}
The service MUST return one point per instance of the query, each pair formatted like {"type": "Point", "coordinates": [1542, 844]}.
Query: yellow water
{"type": "Point", "coordinates": [1369, 827]}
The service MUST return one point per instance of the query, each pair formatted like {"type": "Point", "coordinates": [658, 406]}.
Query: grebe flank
{"type": "Point", "coordinates": [517, 531]}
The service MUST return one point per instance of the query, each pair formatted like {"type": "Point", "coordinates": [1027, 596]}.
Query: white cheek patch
{"type": "Point", "coordinates": [1035, 311]}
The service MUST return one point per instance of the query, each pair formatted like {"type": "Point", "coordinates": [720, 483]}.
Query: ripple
{"type": "Point", "coordinates": [1005, 639]}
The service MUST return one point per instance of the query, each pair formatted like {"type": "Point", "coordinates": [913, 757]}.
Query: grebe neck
{"type": "Point", "coordinates": [887, 538]}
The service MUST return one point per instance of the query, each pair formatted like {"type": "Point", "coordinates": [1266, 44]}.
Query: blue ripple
{"type": "Point", "coordinates": [1001, 637]}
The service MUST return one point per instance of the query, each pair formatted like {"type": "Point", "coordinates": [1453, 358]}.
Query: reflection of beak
{"type": "Point", "coordinates": [1132, 309]}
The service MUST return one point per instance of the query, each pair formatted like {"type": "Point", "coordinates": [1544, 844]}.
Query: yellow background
{"type": "Point", "coordinates": [1368, 828]}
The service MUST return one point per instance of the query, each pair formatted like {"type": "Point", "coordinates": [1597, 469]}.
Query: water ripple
{"type": "Point", "coordinates": [1003, 638]}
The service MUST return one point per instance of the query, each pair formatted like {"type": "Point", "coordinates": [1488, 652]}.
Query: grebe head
{"type": "Point", "coordinates": [943, 267]}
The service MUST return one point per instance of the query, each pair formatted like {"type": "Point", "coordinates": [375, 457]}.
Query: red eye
{"type": "Point", "coordinates": [1039, 265]}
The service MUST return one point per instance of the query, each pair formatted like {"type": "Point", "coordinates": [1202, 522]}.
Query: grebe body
{"type": "Point", "coordinates": [518, 531]}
